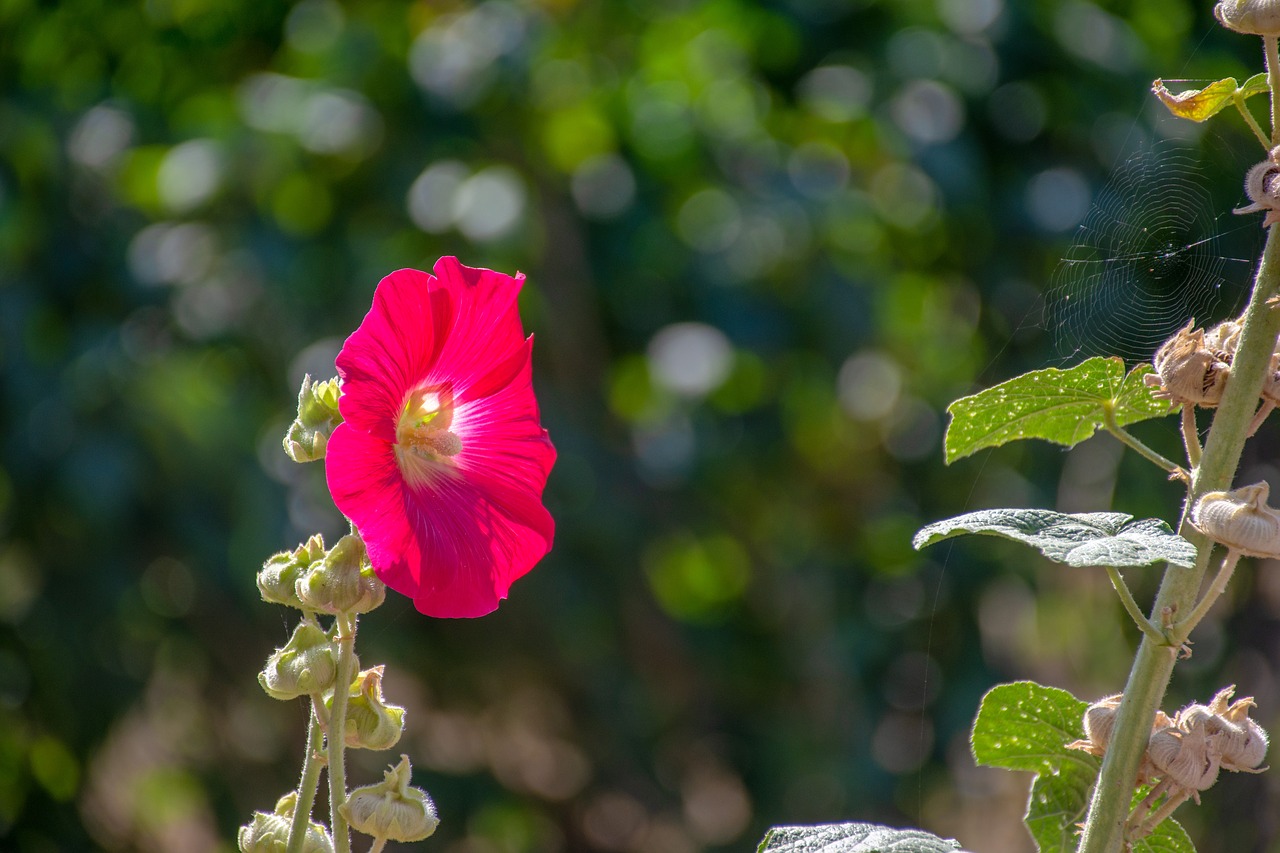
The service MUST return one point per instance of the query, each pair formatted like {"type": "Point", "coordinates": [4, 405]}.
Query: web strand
{"type": "Point", "coordinates": [1148, 257]}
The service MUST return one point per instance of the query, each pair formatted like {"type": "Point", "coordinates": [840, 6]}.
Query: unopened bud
{"type": "Point", "coordinates": [318, 416]}
{"type": "Point", "coordinates": [279, 576]}
{"type": "Point", "coordinates": [1255, 17]}
{"type": "Point", "coordinates": [304, 666]}
{"type": "Point", "coordinates": [393, 810]}
{"type": "Point", "coordinates": [343, 582]}
{"type": "Point", "coordinates": [371, 722]}
{"type": "Point", "coordinates": [269, 833]}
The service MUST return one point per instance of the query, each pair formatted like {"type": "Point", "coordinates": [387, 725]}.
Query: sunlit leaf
{"type": "Point", "coordinates": [1255, 85]}
{"type": "Point", "coordinates": [853, 838]}
{"type": "Point", "coordinates": [1081, 539]}
{"type": "Point", "coordinates": [1197, 104]}
{"type": "Point", "coordinates": [1027, 726]}
{"type": "Point", "coordinates": [1062, 406]}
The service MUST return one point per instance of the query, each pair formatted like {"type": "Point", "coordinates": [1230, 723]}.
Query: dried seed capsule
{"type": "Point", "coordinates": [1185, 759]}
{"type": "Point", "coordinates": [1256, 17]}
{"type": "Point", "coordinates": [1240, 519]}
{"type": "Point", "coordinates": [1188, 371]}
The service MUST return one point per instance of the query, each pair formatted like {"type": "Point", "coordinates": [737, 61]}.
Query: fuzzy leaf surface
{"type": "Point", "coordinates": [1062, 406]}
{"type": "Point", "coordinates": [1255, 85]}
{"type": "Point", "coordinates": [1198, 104]}
{"type": "Point", "coordinates": [853, 838]}
{"type": "Point", "coordinates": [1080, 539]}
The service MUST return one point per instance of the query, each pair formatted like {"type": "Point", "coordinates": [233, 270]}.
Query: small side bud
{"type": "Point", "coordinates": [318, 416]}
{"type": "Point", "coordinates": [393, 810]}
{"type": "Point", "coordinates": [305, 665]}
{"type": "Point", "coordinates": [343, 582]}
{"type": "Point", "coordinates": [279, 576]}
{"type": "Point", "coordinates": [269, 833]}
{"type": "Point", "coordinates": [371, 722]}
{"type": "Point", "coordinates": [1254, 17]}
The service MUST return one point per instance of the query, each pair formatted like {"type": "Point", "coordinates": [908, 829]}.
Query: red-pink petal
{"type": "Point", "coordinates": [392, 350]}
{"type": "Point", "coordinates": [484, 323]}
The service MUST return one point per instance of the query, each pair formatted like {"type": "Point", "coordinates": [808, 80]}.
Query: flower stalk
{"type": "Point", "coordinates": [311, 764]}
{"type": "Point", "coordinates": [335, 743]}
{"type": "Point", "coordinates": [1153, 665]}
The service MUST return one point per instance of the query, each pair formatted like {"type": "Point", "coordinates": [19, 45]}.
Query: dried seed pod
{"type": "Point", "coordinates": [1224, 339]}
{"type": "Point", "coordinates": [1262, 185]}
{"type": "Point", "coordinates": [1256, 17]}
{"type": "Point", "coordinates": [1240, 519]}
{"type": "Point", "coordinates": [1187, 371]}
{"type": "Point", "coordinates": [1186, 759]}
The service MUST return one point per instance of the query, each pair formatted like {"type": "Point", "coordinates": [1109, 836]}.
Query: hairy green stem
{"type": "Point", "coordinates": [1252, 122]}
{"type": "Point", "coordinates": [311, 765]}
{"type": "Point", "coordinates": [1144, 451]}
{"type": "Point", "coordinates": [1191, 434]}
{"type": "Point", "coordinates": [1131, 606]}
{"type": "Point", "coordinates": [1273, 80]}
{"type": "Point", "coordinates": [346, 640]}
{"type": "Point", "coordinates": [1153, 664]}
{"type": "Point", "coordinates": [1183, 628]}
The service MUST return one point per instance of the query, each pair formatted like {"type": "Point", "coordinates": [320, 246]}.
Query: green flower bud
{"type": "Point", "coordinates": [269, 833]}
{"type": "Point", "coordinates": [371, 722]}
{"type": "Point", "coordinates": [1257, 17]}
{"type": "Point", "coordinates": [318, 416]}
{"type": "Point", "coordinates": [392, 811]}
{"type": "Point", "coordinates": [307, 664]}
{"type": "Point", "coordinates": [279, 576]}
{"type": "Point", "coordinates": [344, 582]}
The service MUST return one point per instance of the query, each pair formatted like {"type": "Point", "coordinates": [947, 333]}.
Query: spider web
{"type": "Point", "coordinates": [1151, 254]}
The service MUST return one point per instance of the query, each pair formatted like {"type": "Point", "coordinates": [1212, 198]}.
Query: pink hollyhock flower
{"type": "Point", "coordinates": [441, 460]}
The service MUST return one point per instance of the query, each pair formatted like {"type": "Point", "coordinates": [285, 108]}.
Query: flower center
{"type": "Point", "coordinates": [424, 443]}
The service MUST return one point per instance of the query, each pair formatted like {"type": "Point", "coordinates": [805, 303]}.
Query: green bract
{"type": "Point", "coordinates": [1082, 539]}
{"type": "Point", "coordinates": [1062, 406]}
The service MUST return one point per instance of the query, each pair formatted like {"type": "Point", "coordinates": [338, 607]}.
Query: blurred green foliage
{"type": "Point", "coordinates": [767, 243]}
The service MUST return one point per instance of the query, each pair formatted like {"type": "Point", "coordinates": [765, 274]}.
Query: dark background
{"type": "Point", "coordinates": [767, 243]}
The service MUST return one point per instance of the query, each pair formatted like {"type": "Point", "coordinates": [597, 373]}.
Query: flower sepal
{"type": "Point", "coordinates": [392, 810]}
{"type": "Point", "coordinates": [308, 436]}
{"type": "Point", "coordinates": [371, 723]}
{"type": "Point", "coordinates": [269, 833]}
{"type": "Point", "coordinates": [343, 582]}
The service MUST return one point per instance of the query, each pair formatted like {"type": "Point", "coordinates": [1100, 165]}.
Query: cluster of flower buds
{"type": "Point", "coordinates": [1184, 752]}
{"type": "Point", "coordinates": [340, 582]}
{"type": "Point", "coordinates": [1240, 519]}
{"type": "Point", "coordinates": [308, 436]}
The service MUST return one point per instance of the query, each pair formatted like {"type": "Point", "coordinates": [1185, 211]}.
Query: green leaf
{"type": "Point", "coordinates": [1081, 539]}
{"type": "Point", "coordinates": [1027, 726]}
{"type": "Point", "coordinates": [1169, 837]}
{"type": "Point", "coordinates": [1062, 406]}
{"type": "Point", "coordinates": [1255, 85]}
{"type": "Point", "coordinates": [1197, 104]}
{"type": "Point", "coordinates": [853, 838]}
